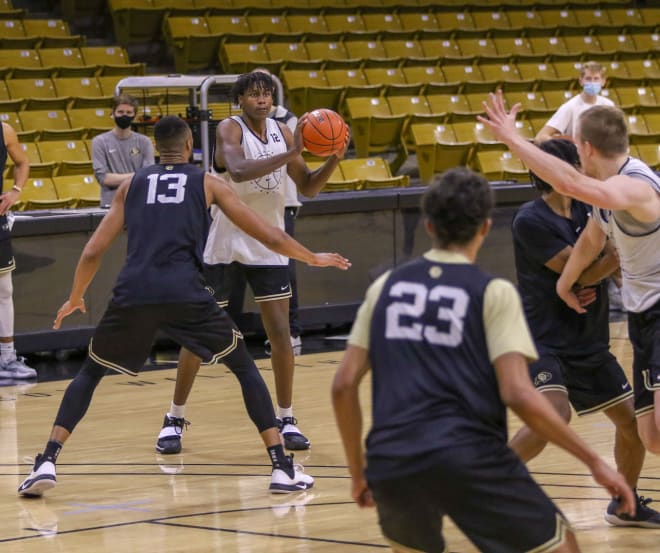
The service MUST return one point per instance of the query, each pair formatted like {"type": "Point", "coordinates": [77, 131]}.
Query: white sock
{"type": "Point", "coordinates": [177, 411]}
{"type": "Point", "coordinates": [7, 352]}
{"type": "Point", "coordinates": [284, 412]}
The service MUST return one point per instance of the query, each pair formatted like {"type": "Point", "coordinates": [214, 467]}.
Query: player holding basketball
{"type": "Point", "coordinates": [160, 288]}
{"type": "Point", "coordinates": [447, 345]}
{"type": "Point", "coordinates": [575, 366]}
{"type": "Point", "coordinates": [257, 153]}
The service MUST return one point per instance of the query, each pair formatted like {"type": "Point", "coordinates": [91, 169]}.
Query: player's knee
{"type": "Point", "coordinates": [6, 288]}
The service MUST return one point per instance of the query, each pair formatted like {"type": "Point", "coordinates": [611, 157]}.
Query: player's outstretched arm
{"type": "Point", "coordinates": [518, 393]}
{"type": "Point", "coordinates": [348, 414]}
{"type": "Point", "coordinates": [90, 259]}
{"type": "Point", "coordinates": [221, 193]}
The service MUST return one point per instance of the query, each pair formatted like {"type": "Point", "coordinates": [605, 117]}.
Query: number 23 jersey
{"type": "Point", "coordinates": [433, 327]}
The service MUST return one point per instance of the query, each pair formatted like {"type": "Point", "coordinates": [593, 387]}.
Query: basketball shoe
{"type": "Point", "coordinates": [41, 478]}
{"type": "Point", "coordinates": [293, 438]}
{"type": "Point", "coordinates": [296, 345]}
{"type": "Point", "coordinates": [16, 368]}
{"type": "Point", "coordinates": [290, 478]}
{"type": "Point", "coordinates": [169, 439]}
{"type": "Point", "coordinates": [645, 517]}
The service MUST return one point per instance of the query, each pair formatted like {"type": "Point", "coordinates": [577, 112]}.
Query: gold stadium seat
{"type": "Point", "coordinates": [625, 16]}
{"type": "Point", "coordinates": [60, 57]}
{"type": "Point", "coordinates": [353, 81]}
{"type": "Point", "coordinates": [365, 49]}
{"type": "Point", "coordinates": [230, 25]}
{"type": "Point", "coordinates": [104, 55]}
{"type": "Point", "coordinates": [616, 42]}
{"type": "Point", "coordinates": [9, 113]}
{"type": "Point", "coordinates": [490, 19]}
{"type": "Point", "coordinates": [55, 119]}
{"type": "Point", "coordinates": [649, 153]}
{"type": "Point", "coordinates": [74, 86]}
{"type": "Point", "coordinates": [40, 193]}
{"type": "Point", "coordinates": [46, 27]}
{"type": "Point", "coordinates": [652, 121]}
{"type": "Point", "coordinates": [285, 51]}
{"type": "Point", "coordinates": [422, 74]}
{"type": "Point", "coordinates": [545, 44]}
{"type": "Point", "coordinates": [438, 48]}
{"type": "Point", "coordinates": [31, 88]}
{"type": "Point", "coordinates": [309, 89]}
{"type": "Point", "coordinates": [418, 21]}
{"type": "Point", "coordinates": [500, 164]}
{"type": "Point", "coordinates": [268, 24]}
{"type": "Point", "coordinates": [482, 46]}
{"type": "Point", "coordinates": [560, 17]}
{"type": "Point", "coordinates": [243, 57]}
{"type": "Point", "coordinates": [438, 149]}
{"type": "Point", "coordinates": [381, 21]}
{"type": "Point", "coordinates": [371, 173]}
{"type": "Point", "coordinates": [644, 68]}
{"type": "Point", "coordinates": [567, 69]}
{"type": "Point", "coordinates": [136, 21]}
{"type": "Point", "coordinates": [454, 19]}
{"type": "Point", "coordinates": [4, 94]}
{"type": "Point", "coordinates": [513, 46]}
{"type": "Point", "coordinates": [63, 150]}
{"type": "Point", "coordinates": [533, 70]}
{"type": "Point", "coordinates": [528, 100]}
{"type": "Point", "coordinates": [12, 28]}
{"type": "Point", "coordinates": [618, 70]}
{"type": "Point", "coordinates": [584, 44]}
{"type": "Point", "coordinates": [448, 103]}
{"type": "Point", "coordinates": [469, 130]}
{"type": "Point", "coordinates": [637, 124]}
{"type": "Point", "coordinates": [634, 96]}
{"type": "Point", "coordinates": [375, 129]}
{"type": "Point", "coordinates": [31, 151]}
{"type": "Point", "coordinates": [500, 72]}
{"type": "Point", "coordinates": [108, 84]}
{"type": "Point", "coordinates": [403, 48]}
{"type": "Point", "coordinates": [417, 110]}
{"type": "Point", "coordinates": [306, 23]}
{"type": "Point", "coordinates": [19, 58]}
{"type": "Point", "coordinates": [555, 98]}
{"type": "Point", "coordinates": [344, 22]}
{"type": "Point", "coordinates": [336, 182]}
{"type": "Point", "coordinates": [326, 50]}
{"type": "Point", "coordinates": [523, 18]}
{"type": "Point", "coordinates": [592, 17]}
{"type": "Point", "coordinates": [461, 73]}
{"type": "Point", "coordinates": [646, 41]}
{"type": "Point", "coordinates": [82, 188]}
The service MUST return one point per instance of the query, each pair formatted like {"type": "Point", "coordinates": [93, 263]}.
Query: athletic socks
{"type": "Point", "coordinates": [280, 460]}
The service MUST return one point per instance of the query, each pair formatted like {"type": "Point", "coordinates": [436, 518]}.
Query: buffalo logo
{"type": "Point", "coordinates": [542, 378]}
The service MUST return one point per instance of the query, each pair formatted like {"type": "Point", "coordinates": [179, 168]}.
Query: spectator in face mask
{"type": "Point", "coordinates": [564, 122]}
{"type": "Point", "coordinates": [119, 152]}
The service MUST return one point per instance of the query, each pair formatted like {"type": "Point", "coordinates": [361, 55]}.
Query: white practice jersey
{"type": "Point", "coordinates": [638, 245]}
{"type": "Point", "coordinates": [226, 242]}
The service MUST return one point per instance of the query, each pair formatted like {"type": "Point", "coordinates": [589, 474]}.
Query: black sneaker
{"type": "Point", "coordinates": [293, 438]}
{"type": "Point", "coordinates": [41, 478]}
{"type": "Point", "coordinates": [169, 439]}
{"type": "Point", "coordinates": [645, 517]}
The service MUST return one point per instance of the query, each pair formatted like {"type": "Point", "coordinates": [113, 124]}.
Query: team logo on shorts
{"type": "Point", "coordinates": [542, 378]}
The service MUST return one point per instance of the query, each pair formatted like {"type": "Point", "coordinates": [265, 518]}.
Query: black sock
{"type": "Point", "coordinates": [52, 450]}
{"type": "Point", "coordinates": [280, 459]}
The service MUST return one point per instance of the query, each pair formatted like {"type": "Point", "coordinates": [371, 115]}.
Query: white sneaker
{"type": "Point", "coordinates": [296, 345]}
{"type": "Point", "coordinates": [281, 482]}
{"type": "Point", "coordinates": [41, 478]}
{"type": "Point", "coordinates": [16, 369]}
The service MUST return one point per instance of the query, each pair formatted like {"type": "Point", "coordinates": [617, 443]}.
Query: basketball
{"type": "Point", "coordinates": [324, 132]}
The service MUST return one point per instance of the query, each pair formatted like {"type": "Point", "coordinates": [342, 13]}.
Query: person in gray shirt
{"type": "Point", "coordinates": [119, 152]}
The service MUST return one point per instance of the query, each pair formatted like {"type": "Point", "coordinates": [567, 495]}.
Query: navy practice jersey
{"type": "Point", "coordinates": [167, 222]}
{"type": "Point", "coordinates": [433, 383]}
{"type": "Point", "coordinates": [4, 227]}
{"type": "Point", "coordinates": [538, 235]}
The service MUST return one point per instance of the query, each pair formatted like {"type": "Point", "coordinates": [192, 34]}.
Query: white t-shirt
{"type": "Point", "coordinates": [566, 117]}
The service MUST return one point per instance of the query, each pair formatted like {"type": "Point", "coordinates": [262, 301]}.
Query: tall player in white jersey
{"type": "Point", "coordinates": [626, 195]}
{"type": "Point", "coordinates": [257, 153]}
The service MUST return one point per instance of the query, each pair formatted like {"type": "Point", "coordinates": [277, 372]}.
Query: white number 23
{"type": "Point", "coordinates": [404, 318]}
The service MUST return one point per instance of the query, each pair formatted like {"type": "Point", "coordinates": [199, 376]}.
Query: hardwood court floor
{"type": "Point", "coordinates": [115, 493]}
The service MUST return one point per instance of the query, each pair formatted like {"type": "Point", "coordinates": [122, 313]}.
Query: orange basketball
{"type": "Point", "coordinates": [324, 132]}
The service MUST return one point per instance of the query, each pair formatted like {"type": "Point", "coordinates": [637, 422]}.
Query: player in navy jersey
{"type": "Point", "coordinates": [575, 366]}
{"type": "Point", "coordinates": [447, 345]}
{"type": "Point", "coordinates": [160, 288]}
{"type": "Point", "coordinates": [625, 193]}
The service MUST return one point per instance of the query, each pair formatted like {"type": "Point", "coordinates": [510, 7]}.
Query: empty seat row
{"type": "Point", "coordinates": [310, 89]}
{"type": "Point", "coordinates": [238, 57]}
{"type": "Point", "coordinates": [63, 57]}
{"type": "Point", "coordinates": [61, 191]}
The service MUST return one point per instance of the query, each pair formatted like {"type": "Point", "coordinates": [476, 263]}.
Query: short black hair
{"type": "Point", "coordinates": [560, 148]}
{"type": "Point", "coordinates": [458, 202]}
{"type": "Point", "coordinates": [253, 79]}
{"type": "Point", "coordinates": [171, 133]}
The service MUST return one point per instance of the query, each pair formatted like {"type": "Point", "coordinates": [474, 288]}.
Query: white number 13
{"type": "Point", "coordinates": [176, 182]}
{"type": "Point", "coordinates": [414, 306]}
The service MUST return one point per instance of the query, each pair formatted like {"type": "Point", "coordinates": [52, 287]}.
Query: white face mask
{"type": "Point", "coordinates": [592, 89]}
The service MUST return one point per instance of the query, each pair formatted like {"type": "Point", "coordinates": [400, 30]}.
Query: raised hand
{"type": "Point", "coordinates": [500, 122]}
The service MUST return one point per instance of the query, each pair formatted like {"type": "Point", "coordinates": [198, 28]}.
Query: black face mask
{"type": "Point", "coordinates": [124, 121]}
